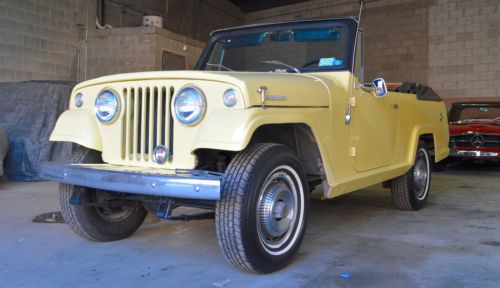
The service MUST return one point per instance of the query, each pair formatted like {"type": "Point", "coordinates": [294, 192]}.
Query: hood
{"type": "Point", "coordinates": [283, 89]}
{"type": "Point", "coordinates": [492, 127]}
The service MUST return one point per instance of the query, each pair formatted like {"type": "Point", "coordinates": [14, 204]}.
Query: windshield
{"type": "Point", "coordinates": [296, 49]}
{"type": "Point", "coordinates": [476, 113]}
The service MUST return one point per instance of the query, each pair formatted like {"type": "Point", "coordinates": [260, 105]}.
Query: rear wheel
{"type": "Point", "coordinates": [410, 191]}
{"type": "Point", "coordinates": [105, 219]}
{"type": "Point", "coordinates": [261, 218]}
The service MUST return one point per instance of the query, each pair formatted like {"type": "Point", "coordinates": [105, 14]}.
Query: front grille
{"type": "Point", "coordinates": [476, 140]}
{"type": "Point", "coordinates": [148, 122]}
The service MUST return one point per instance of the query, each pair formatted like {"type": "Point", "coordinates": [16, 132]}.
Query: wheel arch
{"type": "Point", "coordinates": [420, 133]}
{"type": "Point", "coordinates": [428, 140]}
{"type": "Point", "coordinates": [298, 136]}
{"type": "Point", "coordinates": [434, 146]}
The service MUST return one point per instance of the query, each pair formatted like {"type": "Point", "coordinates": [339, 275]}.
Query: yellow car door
{"type": "Point", "coordinates": [373, 126]}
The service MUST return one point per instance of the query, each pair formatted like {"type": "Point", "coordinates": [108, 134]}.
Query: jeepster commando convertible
{"type": "Point", "coordinates": [270, 112]}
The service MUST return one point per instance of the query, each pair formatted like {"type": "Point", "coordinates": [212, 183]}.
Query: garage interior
{"type": "Point", "coordinates": [356, 240]}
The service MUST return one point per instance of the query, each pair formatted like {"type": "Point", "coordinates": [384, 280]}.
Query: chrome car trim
{"type": "Point", "coordinates": [474, 153]}
{"type": "Point", "coordinates": [474, 132]}
{"type": "Point", "coordinates": [468, 141]}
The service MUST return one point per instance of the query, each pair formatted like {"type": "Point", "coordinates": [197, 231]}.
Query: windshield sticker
{"type": "Point", "coordinates": [330, 62]}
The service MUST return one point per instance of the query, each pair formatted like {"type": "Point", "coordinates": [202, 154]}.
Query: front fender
{"type": "Point", "coordinates": [77, 126]}
{"type": "Point", "coordinates": [232, 129]}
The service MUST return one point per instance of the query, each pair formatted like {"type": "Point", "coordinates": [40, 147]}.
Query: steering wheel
{"type": "Point", "coordinates": [316, 61]}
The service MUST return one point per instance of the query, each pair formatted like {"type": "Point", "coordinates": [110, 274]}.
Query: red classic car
{"type": "Point", "coordinates": [475, 130]}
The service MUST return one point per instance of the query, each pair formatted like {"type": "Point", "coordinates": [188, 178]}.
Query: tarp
{"type": "Point", "coordinates": [4, 147]}
{"type": "Point", "coordinates": [423, 92]}
{"type": "Point", "coordinates": [28, 111]}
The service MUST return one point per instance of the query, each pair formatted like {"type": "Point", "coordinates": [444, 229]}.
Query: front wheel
{"type": "Point", "coordinates": [411, 190]}
{"type": "Point", "coordinates": [261, 218]}
{"type": "Point", "coordinates": [98, 217]}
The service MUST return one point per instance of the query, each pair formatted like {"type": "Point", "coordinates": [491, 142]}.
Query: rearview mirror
{"type": "Point", "coordinates": [281, 36]}
{"type": "Point", "coordinates": [244, 40]}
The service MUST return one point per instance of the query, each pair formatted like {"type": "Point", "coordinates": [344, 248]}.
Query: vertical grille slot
{"type": "Point", "coordinates": [171, 123]}
{"type": "Point", "coordinates": [165, 115]}
{"type": "Point", "coordinates": [142, 129]}
{"type": "Point", "coordinates": [135, 127]}
{"type": "Point", "coordinates": [159, 119]}
{"type": "Point", "coordinates": [148, 122]}
{"type": "Point", "coordinates": [151, 119]}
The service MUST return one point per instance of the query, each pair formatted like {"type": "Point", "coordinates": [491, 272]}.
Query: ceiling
{"type": "Point", "coordinates": [255, 5]}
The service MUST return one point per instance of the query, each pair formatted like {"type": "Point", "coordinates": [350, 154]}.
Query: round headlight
{"type": "Point", "coordinates": [189, 105]}
{"type": "Point", "coordinates": [79, 100]}
{"type": "Point", "coordinates": [106, 106]}
{"type": "Point", "coordinates": [230, 98]}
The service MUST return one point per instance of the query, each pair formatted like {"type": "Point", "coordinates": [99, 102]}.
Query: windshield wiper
{"type": "Point", "coordinates": [219, 66]}
{"type": "Point", "coordinates": [276, 62]}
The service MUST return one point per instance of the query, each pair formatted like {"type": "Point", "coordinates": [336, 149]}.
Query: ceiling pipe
{"type": "Point", "coordinates": [103, 13]}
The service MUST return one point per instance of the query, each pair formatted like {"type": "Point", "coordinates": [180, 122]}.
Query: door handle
{"type": "Point", "coordinates": [348, 115]}
{"type": "Point", "coordinates": [395, 106]}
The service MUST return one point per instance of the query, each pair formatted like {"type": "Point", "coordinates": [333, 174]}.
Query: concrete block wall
{"type": "Point", "coordinates": [180, 45]}
{"type": "Point", "coordinates": [197, 18]}
{"type": "Point", "coordinates": [38, 39]}
{"type": "Point", "coordinates": [452, 45]}
{"type": "Point", "coordinates": [112, 51]}
{"type": "Point", "coordinates": [464, 41]}
{"type": "Point", "coordinates": [131, 12]}
{"type": "Point", "coordinates": [191, 18]}
{"type": "Point", "coordinates": [136, 49]}
{"type": "Point", "coordinates": [129, 47]}
{"type": "Point", "coordinates": [45, 39]}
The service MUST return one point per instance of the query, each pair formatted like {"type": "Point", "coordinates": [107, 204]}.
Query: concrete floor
{"type": "Point", "coordinates": [454, 242]}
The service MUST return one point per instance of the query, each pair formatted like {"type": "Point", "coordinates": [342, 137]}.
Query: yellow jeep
{"type": "Point", "coordinates": [270, 112]}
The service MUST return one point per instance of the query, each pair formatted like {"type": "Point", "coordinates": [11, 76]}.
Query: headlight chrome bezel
{"type": "Point", "coordinates": [114, 116]}
{"type": "Point", "coordinates": [203, 106]}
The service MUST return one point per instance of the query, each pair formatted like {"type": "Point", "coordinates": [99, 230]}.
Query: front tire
{"type": "Point", "coordinates": [261, 218]}
{"type": "Point", "coordinates": [411, 190]}
{"type": "Point", "coordinates": [93, 222]}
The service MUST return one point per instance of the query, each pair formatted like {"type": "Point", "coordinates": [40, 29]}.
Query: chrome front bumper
{"type": "Point", "coordinates": [186, 184]}
{"type": "Point", "coordinates": [474, 154]}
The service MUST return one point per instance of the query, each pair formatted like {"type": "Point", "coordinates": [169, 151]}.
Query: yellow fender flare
{"type": "Point", "coordinates": [78, 126]}
{"type": "Point", "coordinates": [417, 132]}
{"type": "Point", "coordinates": [218, 133]}
{"type": "Point", "coordinates": [232, 130]}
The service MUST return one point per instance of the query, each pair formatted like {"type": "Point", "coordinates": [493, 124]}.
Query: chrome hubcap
{"type": "Point", "coordinates": [280, 210]}
{"type": "Point", "coordinates": [276, 209]}
{"type": "Point", "coordinates": [421, 175]}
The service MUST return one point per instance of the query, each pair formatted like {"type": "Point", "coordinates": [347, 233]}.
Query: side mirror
{"type": "Point", "coordinates": [379, 87]}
